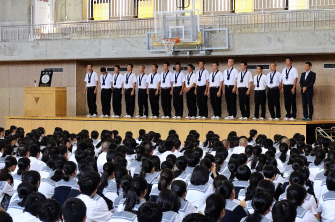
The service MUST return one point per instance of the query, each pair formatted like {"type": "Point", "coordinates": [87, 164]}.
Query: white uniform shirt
{"type": "Point", "coordinates": [36, 164]}
{"type": "Point", "coordinates": [91, 79]}
{"type": "Point", "coordinates": [262, 81]}
{"type": "Point", "coordinates": [5, 189]}
{"type": "Point", "coordinates": [307, 216]}
{"type": "Point", "coordinates": [232, 74]}
{"type": "Point", "coordinates": [247, 77]}
{"type": "Point", "coordinates": [131, 79]}
{"type": "Point", "coordinates": [276, 79]}
{"type": "Point", "coordinates": [117, 81]}
{"type": "Point", "coordinates": [239, 149]}
{"type": "Point", "coordinates": [95, 210]}
{"type": "Point", "coordinates": [153, 80]}
{"type": "Point", "coordinates": [102, 159]}
{"type": "Point", "coordinates": [142, 81]}
{"type": "Point", "coordinates": [108, 79]}
{"type": "Point", "coordinates": [215, 79]}
{"type": "Point", "coordinates": [201, 77]}
{"type": "Point", "coordinates": [190, 79]}
{"type": "Point", "coordinates": [178, 77]}
{"type": "Point", "coordinates": [163, 156]}
{"type": "Point", "coordinates": [166, 79]}
{"type": "Point", "coordinates": [327, 206]}
{"type": "Point", "coordinates": [292, 75]}
{"type": "Point", "coordinates": [197, 195]}
{"type": "Point", "coordinates": [25, 217]}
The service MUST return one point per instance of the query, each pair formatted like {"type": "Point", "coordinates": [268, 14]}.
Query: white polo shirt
{"type": "Point", "coordinates": [291, 73]}
{"type": "Point", "coordinates": [243, 79]}
{"type": "Point", "coordinates": [153, 80]}
{"type": "Point", "coordinates": [128, 80]}
{"type": "Point", "coordinates": [201, 77]}
{"type": "Point", "coordinates": [95, 210]}
{"type": "Point", "coordinates": [117, 80]}
{"type": "Point", "coordinates": [260, 82]}
{"type": "Point", "coordinates": [326, 206]}
{"type": "Point", "coordinates": [142, 81]}
{"type": "Point", "coordinates": [229, 76]}
{"type": "Point", "coordinates": [91, 79]}
{"type": "Point", "coordinates": [178, 79]}
{"type": "Point", "coordinates": [190, 79]}
{"type": "Point", "coordinates": [273, 79]}
{"type": "Point", "coordinates": [166, 79]}
{"type": "Point", "coordinates": [215, 79]}
{"type": "Point", "coordinates": [107, 79]}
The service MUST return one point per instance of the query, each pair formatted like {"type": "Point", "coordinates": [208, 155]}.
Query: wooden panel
{"type": "Point", "coordinates": [25, 124]}
{"type": "Point", "coordinates": [243, 129]}
{"type": "Point", "coordinates": [221, 129]}
{"type": "Point", "coordinates": [162, 127]}
{"type": "Point", "coordinates": [49, 125]}
{"type": "Point", "coordinates": [184, 128]}
{"type": "Point", "coordinates": [287, 130]}
{"type": "Point", "coordinates": [123, 128]}
{"type": "Point", "coordinates": [97, 125]}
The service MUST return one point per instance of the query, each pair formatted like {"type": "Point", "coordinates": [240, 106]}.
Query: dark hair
{"type": "Point", "coordinates": [108, 170]}
{"type": "Point", "coordinates": [244, 63]}
{"type": "Point", "coordinates": [139, 151]}
{"type": "Point", "coordinates": [215, 203]}
{"type": "Point", "coordinates": [265, 186]}
{"type": "Point", "coordinates": [9, 162]}
{"type": "Point", "coordinates": [120, 172]}
{"type": "Point", "coordinates": [181, 164]}
{"type": "Point", "coordinates": [243, 173]}
{"type": "Point", "coordinates": [216, 63]}
{"type": "Point", "coordinates": [131, 65]}
{"type": "Point", "coordinates": [180, 187]}
{"type": "Point", "coordinates": [269, 171]}
{"type": "Point", "coordinates": [167, 63]}
{"type": "Point", "coordinates": [260, 67]}
{"type": "Point", "coordinates": [74, 210]}
{"type": "Point", "coordinates": [168, 200]}
{"type": "Point", "coordinates": [255, 178]}
{"type": "Point", "coordinates": [261, 162]}
{"type": "Point", "coordinates": [34, 150]}
{"type": "Point", "coordinates": [202, 62]}
{"type": "Point", "coordinates": [31, 176]}
{"type": "Point", "coordinates": [308, 63]}
{"type": "Point", "coordinates": [149, 211]}
{"type": "Point", "coordinates": [319, 156]}
{"type": "Point", "coordinates": [219, 160]}
{"type": "Point", "coordinates": [49, 211]}
{"type": "Point", "coordinates": [296, 194]}
{"type": "Point", "coordinates": [138, 186]}
{"type": "Point", "coordinates": [34, 200]}
{"type": "Point", "coordinates": [200, 176]}
{"type": "Point", "coordinates": [88, 183]}
{"type": "Point", "coordinates": [218, 180]}
{"type": "Point", "coordinates": [23, 191]}
{"type": "Point", "coordinates": [102, 69]}
{"type": "Point", "coordinates": [69, 168]}
{"type": "Point", "coordinates": [290, 58]}
{"type": "Point", "coordinates": [283, 147]}
{"type": "Point", "coordinates": [225, 189]}
{"type": "Point", "coordinates": [261, 202]}
{"type": "Point", "coordinates": [284, 210]}
{"type": "Point", "coordinates": [117, 66]}
{"type": "Point", "coordinates": [155, 65]}
{"type": "Point", "coordinates": [232, 166]}
{"type": "Point", "coordinates": [252, 134]}
{"type": "Point", "coordinates": [195, 217]}
{"type": "Point", "coordinates": [256, 151]}
{"type": "Point", "coordinates": [330, 182]}
{"type": "Point", "coordinates": [297, 178]}
{"type": "Point", "coordinates": [157, 162]}
{"type": "Point", "coordinates": [147, 166]}
{"type": "Point", "coordinates": [5, 217]}
{"type": "Point", "coordinates": [165, 179]}
{"type": "Point", "coordinates": [59, 165]}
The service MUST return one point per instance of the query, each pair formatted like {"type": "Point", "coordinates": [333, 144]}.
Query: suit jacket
{"type": "Point", "coordinates": [308, 83]}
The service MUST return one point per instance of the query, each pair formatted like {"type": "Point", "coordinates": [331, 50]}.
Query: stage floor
{"type": "Point", "coordinates": [182, 126]}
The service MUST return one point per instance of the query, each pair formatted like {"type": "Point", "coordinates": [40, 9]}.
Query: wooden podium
{"type": "Point", "coordinates": [45, 101]}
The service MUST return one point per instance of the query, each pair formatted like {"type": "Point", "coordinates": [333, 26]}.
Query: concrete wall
{"type": "Point", "coordinates": [68, 10]}
{"type": "Point", "coordinates": [15, 12]}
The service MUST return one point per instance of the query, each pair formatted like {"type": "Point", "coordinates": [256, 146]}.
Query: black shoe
{"type": "Point", "coordinates": [309, 119]}
{"type": "Point", "coordinates": [304, 119]}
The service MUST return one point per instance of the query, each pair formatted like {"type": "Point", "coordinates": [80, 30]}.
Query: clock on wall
{"type": "Point", "coordinates": [46, 78]}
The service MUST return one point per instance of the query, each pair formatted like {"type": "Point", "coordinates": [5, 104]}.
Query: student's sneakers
{"type": "Point", "coordinates": [102, 116]}
{"type": "Point", "coordinates": [138, 116]}
{"type": "Point", "coordinates": [226, 118]}
{"type": "Point", "coordinates": [154, 117]}
{"type": "Point", "coordinates": [204, 117]}
{"type": "Point", "coordinates": [127, 116]}
{"type": "Point", "coordinates": [241, 118]}
{"type": "Point", "coordinates": [286, 118]}
{"type": "Point", "coordinates": [143, 117]}
{"type": "Point", "coordinates": [151, 117]}
{"type": "Point", "coordinates": [270, 119]}
{"type": "Point", "coordinates": [213, 117]}
{"type": "Point", "coordinates": [193, 117]}
{"type": "Point", "coordinates": [167, 117]}
{"type": "Point", "coordinates": [217, 117]}
{"type": "Point", "coordinates": [304, 119]}
{"type": "Point", "coordinates": [261, 118]}
{"type": "Point", "coordinates": [89, 116]}
{"type": "Point", "coordinates": [309, 119]}
{"type": "Point", "coordinates": [116, 116]}
{"type": "Point", "coordinates": [245, 118]}
{"type": "Point", "coordinates": [254, 118]}
{"type": "Point", "coordinates": [94, 115]}
{"type": "Point", "coordinates": [199, 117]}
{"type": "Point", "coordinates": [113, 116]}
{"type": "Point", "coordinates": [106, 115]}
{"type": "Point", "coordinates": [292, 119]}
{"type": "Point", "coordinates": [178, 117]}
{"type": "Point", "coordinates": [175, 117]}
{"type": "Point", "coordinates": [163, 117]}
{"type": "Point", "coordinates": [276, 119]}
{"type": "Point", "coordinates": [187, 117]}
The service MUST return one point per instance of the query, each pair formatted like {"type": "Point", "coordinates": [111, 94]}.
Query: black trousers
{"type": "Point", "coordinates": [307, 104]}
{"type": "Point", "coordinates": [130, 102]}
{"type": "Point", "coordinates": [202, 101]}
{"type": "Point", "coordinates": [117, 98]}
{"type": "Point", "coordinates": [154, 102]}
{"type": "Point", "coordinates": [142, 102]}
{"type": "Point", "coordinates": [106, 96]}
{"type": "Point", "coordinates": [91, 100]}
{"type": "Point", "coordinates": [274, 102]}
{"type": "Point", "coordinates": [166, 101]}
{"type": "Point", "coordinates": [178, 101]}
{"type": "Point", "coordinates": [290, 101]}
{"type": "Point", "coordinates": [244, 101]}
{"type": "Point", "coordinates": [260, 101]}
{"type": "Point", "coordinates": [215, 101]}
{"type": "Point", "coordinates": [230, 100]}
{"type": "Point", "coordinates": [191, 100]}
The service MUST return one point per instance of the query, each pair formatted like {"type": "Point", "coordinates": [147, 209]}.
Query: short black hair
{"type": "Point", "coordinates": [34, 150]}
{"type": "Point", "coordinates": [168, 200]}
{"type": "Point", "coordinates": [102, 69]}
{"type": "Point", "coordinates": [177, 64]}
{"type": "Point", "coordinates": [31, 176]}
{"type": "Point", "coordinates": [74, 210]}
{"type": "Point", "coordinates": [243, 173]}
{"type": "Point", "coordinates": [190, 65]}
{"type": "Point", "coordinates": [117, 66]}
{"type": "Point", "coordinates": [200, 175]}
{"type": "Point", "coordinates": [94, 134]}
{"type": "Point", "coordinates": [297, 178]}
{"type": "Point", "coordinates": [308, 63]}
{"type": "Point", "coordinates": [155, 65]}
{"type": "Point", "coordinates": [269, 171]}
{"type": "Point", "coordinates": [167, 63]}
{"type": "Point", "coordinates": [149, 211]}
{"type": "Point", "coordinates": [244, 62]}
{"type": "Point", "coordinates": [90, 64]}
{"type": "Point", "coordinates": [195, 217]}
{"type": "Point", "coordinates": [89, 183]}
{"type": "Point", "coordinates": [33, 202]}
{"type": "Point", "coordinates": [131, 65]}
{"type": "Point", "coordinates": [216, 63]}
{"type": "Point", "coordinates": [296, 194]}
{"type": "Point", "coordinates": [260, 67]}
{"type": "Point", "coordinates": [5, 217]}
{"type": "Point", "coordinates": [330, 181]}
{"type": "Point", "coordinates": [50, 211]}
{"type": "Point", "coordinates": [290, 58]}
{"type": "Point", "coordinates": [202, 62]}
{"type": "Point", "coordinates": [284, 210]}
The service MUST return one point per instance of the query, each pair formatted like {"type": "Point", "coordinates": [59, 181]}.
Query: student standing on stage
{"type": "Point", "coordinates": [106, 81]}
{"type": "Point", "coordinates": [307, 81]}
{"type": "Point", "coordinates": [166, 90]}
{"type": "Point", "coordinates": [142, 93]}
{"type": "Point", "coordinates": [117, 92]}
{"type": "Point", "coordinates": [191, 98]}
{"type": "Point", "coordinates": [91, 80]}
{"type": "Point", "coordinates": [129, 85]}
{"type": "Point", "coordinates": [154, 82]}
{"type": "Point", "coordinates": [244, 80]}
{"type": "Point", "coordinates": [290, 77]}
{"type": "Point", "coordinates": [274, 84]}
{"type": "Point", "coordinates": [260, 95]}
{"type": "Point", "coordinates": [178, 87]}
{"type": "Point", "coordinates": [215, 88]}
{"type": "Point", "coordinates": [201, 90]}
{"type": "Point", "coordinates": [229, 89]}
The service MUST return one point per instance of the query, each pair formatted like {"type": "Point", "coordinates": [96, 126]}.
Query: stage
{"type": "Point", "coordinates": [182, 126]}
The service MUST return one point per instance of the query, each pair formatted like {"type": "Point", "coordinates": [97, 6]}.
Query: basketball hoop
{"type": "Point", "coordinates": [169, 45]}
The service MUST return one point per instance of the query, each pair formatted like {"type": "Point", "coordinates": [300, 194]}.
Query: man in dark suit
{"type": "Point", "coordinates": [307, 81]}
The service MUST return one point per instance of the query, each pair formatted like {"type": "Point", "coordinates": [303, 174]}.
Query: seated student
{"type": "Point", "coordinates": [211, 169]}
{"type": "Point", "coordinates": [193, 160]}
{"type": "Point", "coordinates": [196, 217]}
{"type": "Point", "coordinates": [232, 168]}
{"type": "Point", "coordinates": [165, 165]}
{"type": "Point", "coordinates": [261, 202]}
{"type": "Point", "coordinates": [307, 153]}
{"type": "Point", "coordinates": [284, 210]}
{"type": "Point", "coordinates": [6, 151]}
{"type": "Point", "coordinates": [5, 186]}
{"type": "Point", "coordinates": [144, 157]}
{"type": "Point", "coordinates": [32, 177]}
{"type": "Point", "coordinates": [296, 194]}
{"type": "Point", "coordinates": [74, 210]}
{"type": "Point", "coordinates": [170, 204]}
{"type": "Point", "coordinates": [149, 212]}
{"type": "Point", "coordinates": [295, 162]}
{"type": "Point", "coordinates": [331, 169]}
{"type": "Point", "coordinates": [23, 165]}
{"type": "Point", "coordinates": [157, 163]}
{"type": "Point", "coordinates": [49, 211]}
{"type": "Point", "coordinates": [221, 164]}
{"type": "Point", "coordinates": [234, 211]}
{"type": "Point", "coordinates": [166, 178]}
{"type": "Point", "coordinates": [125, 184]}
{"type": "Point", "coordinates": [168, 149]}
{"type": "Point", "coordinates": [326, 209]}
{"type": "Point", "coordinates": [49, 169]}
{"type": "Point", "coordinates": [135, 197]}
{"type": "Point", "coordinates": [247, 193]}
{"type": "Point", "coordinates": [308, 184]}
{"type": "Point", "coordinates": [88, 185]}
{"type": "Point", "coordinates": [256, 152]}
{"type": "Point", "coordinates": [282, 157]}
{"type": "Point", "coordinates": [112, 191]}
{"type": "Point", "coordinates": [317, 166]}
{"type": "Point", "coordinates": [31, 206]}
{"type": "Point", "coordinates": [35, 163]}
{"type": "Point", "coordinates": [215, 208]}
{"type": "Point", "coordinates": [199, 189]}
{"type": "Point", "coordinates": [270, 173]}
{"type": "Point", "coordinates": [148, 173]}
{"type": "Point", "coordinates": [242, 175]}
{"type": "Point", "coordinates": [180, 174]}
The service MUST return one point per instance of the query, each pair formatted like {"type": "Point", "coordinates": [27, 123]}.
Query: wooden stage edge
{"type": "Point", "coordinates": [182, 126]}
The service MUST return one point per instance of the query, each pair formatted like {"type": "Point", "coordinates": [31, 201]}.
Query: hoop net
{"type": "Point", "coordinates": [169, 45]}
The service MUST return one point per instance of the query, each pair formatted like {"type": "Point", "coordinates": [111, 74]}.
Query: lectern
{"type": "Point", "coordinates": [45, 101]}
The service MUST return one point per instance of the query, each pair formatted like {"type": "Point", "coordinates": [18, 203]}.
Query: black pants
{"type": "Point", "coordinates": [154, 102]}
{"type": "Point", "coordinates": [117, 98]}
{"type": "Point", "coordinates": [290, 102]}
{"type": "Point", "coordinates": [230, 100]}
{"type": "Point", "coordinates": [274, 102]}
{"type": "Point", "coordinates": [166, 101]}
{"type": "Point", "coordinates": [202, 101]}
{"type": "Point", "coordinates": [91, 100]}
{"type": "Point", "coordinates": [106, 95]}
{"type": "Point", "coordinates": [178, 102]}
{"type": "Point", "coordinates": [130, 102]}
{"type": "Point", "coordinates": [260, 101]}
{"type": "Point", "coordinates": [215, 101]}
{"type": "Point", "coordinates": [307, 104]}
{"type": "Point", "coordinates": [191, 100]}
{"type": "Point", "coordinates": [142, 102]}
{"type": "Point", "coordinates": [244, 101]}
